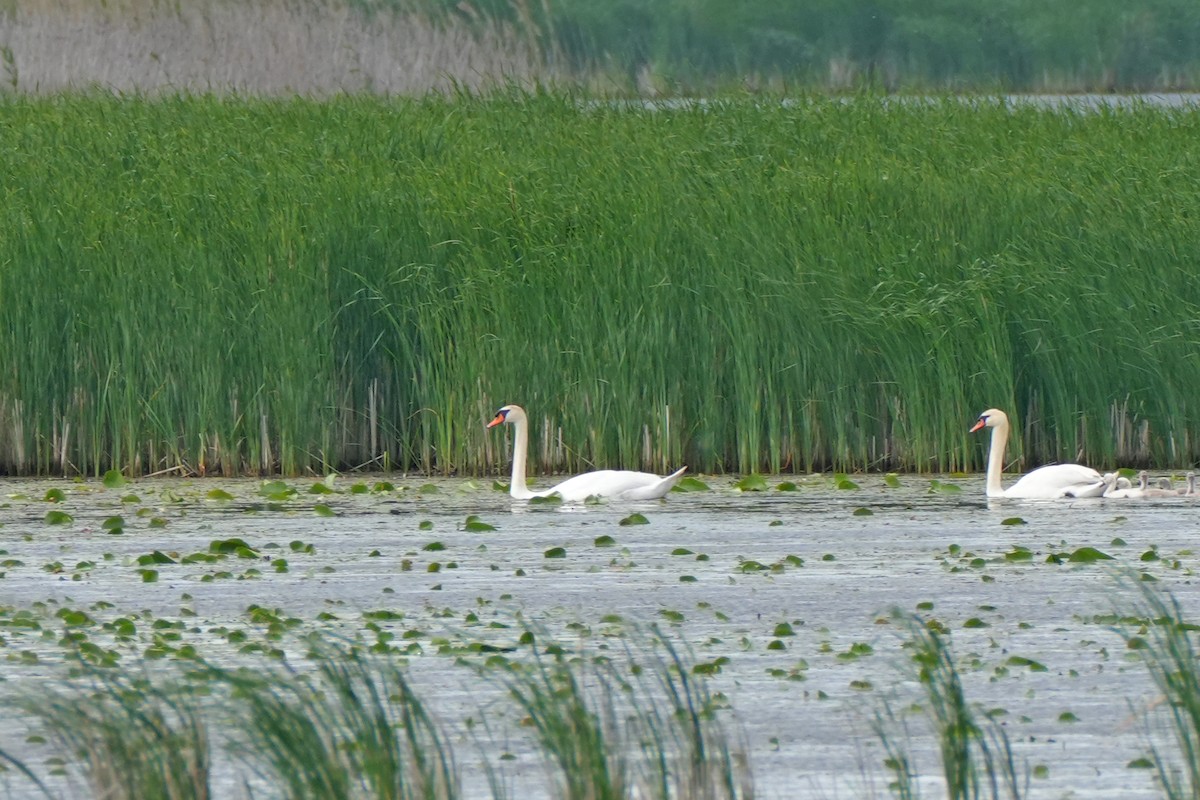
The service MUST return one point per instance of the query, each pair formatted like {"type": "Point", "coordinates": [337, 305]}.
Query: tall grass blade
{"type": "Point", "coordinates": [134, 739]}
{"type": "Point", "coordinates": [976, 755]}
{"type": "Point", "coordinates": [352, 728]}
{"type": "Point", "coordinates": [1164, 640]}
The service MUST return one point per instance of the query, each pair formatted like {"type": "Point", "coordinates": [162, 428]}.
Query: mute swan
{"type": "Point", "coordinates": [616, 484]}
{"type": "Point", "coordinates": [1155, 491]}
{"type": "Point", "coordinates": [1131, 492]}
{"type": "Point", "coordinates": [1056, 480]}
{"type": "Point", "coordinates": [1190, 491]}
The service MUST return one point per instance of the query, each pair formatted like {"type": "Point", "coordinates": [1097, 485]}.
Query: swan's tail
{"type": "Point", "coordinates": [657, 490]}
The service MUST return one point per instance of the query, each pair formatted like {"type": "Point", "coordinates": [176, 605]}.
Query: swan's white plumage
{"type": "Point", "coordinates": [609, 483]}
{"type": "Point", "coordinates": [1052, 482]}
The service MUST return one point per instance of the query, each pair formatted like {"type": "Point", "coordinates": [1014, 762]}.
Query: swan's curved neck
{"type": "Point", "coordinates": [518, 489]}
{"type": "Point", "coordinates": [995, 466]}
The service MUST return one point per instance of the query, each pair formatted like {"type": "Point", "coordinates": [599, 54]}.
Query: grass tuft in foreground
{"type": "Point", "coordinates": [976, 755]}
{"type": "Point", "coordinates": [1164, 641]}
{"type": "Point", "coordinates": [134, 740]}
{"type": "Point", "coordinates": [352, 728]}
{"type": "Point", "coordinates": [649, 733]}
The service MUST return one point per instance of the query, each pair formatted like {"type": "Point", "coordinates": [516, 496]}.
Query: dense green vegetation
{"type": "Point", "coordinates": [689, 45]}
{"type": "Point", "coordinates": [245, 285]}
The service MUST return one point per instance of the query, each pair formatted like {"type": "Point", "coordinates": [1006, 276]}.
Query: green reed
{"type": "Point", "coordinates": [244, 286]}
{"type": "Point", "coordinates": [976, 755]}
{"type": "Point", "coordinates": [1158, 631]}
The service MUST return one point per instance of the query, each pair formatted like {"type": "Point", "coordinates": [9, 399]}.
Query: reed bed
{"type": "Point", "coordinates": [348, 724]}
{"type": "Point", "coordinates": [215, 285]}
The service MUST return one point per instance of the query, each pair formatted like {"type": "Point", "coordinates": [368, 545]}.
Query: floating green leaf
{"type": "Point", "coordinates": [751, 483]}
{"type": "Point", "coordinates": [689, 484]}
{"type": "Point", "coordinates": [1088, 555]}
{"type": "Point", "coordinates": [219, 494]}
{"type": "Point", "coordinates": [475, 525]}
{"type": "Point", "coordinates": [322, 510]}
{"type": "Point", "coordinates": [863, 512]}
{"type": "Point", "coordinates": [1021, 661]}
{"type": "Point", "coordinates": [634, 519]}
{"type": "Point", "coordinates": [604, 541]}
{"type": "Point", "coordinates": [556, 552]}
{"type": "Point", "coordinates": [1013, 521]}
{"type": "Point", "coordinates": [58, 518]}
{"type": "Point", "coordinates": [113, 479]}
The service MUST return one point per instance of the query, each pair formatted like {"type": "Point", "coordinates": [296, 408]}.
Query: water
{"type": "Point", "coordinates": [945, 555]}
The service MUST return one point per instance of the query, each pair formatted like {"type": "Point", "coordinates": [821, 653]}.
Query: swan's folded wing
{"type": "Point", "coordinates": [617, 484]}
{"type": "Point", "coordinates": [1056, 481]}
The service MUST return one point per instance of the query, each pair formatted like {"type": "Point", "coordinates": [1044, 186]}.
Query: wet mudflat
{"type": "Point", "coordinates": [785, 599]}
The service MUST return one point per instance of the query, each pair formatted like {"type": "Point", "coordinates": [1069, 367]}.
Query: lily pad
{"type": "Point", "coordinates": [475, 525]}
{"type": "Point", "coordinates": [751, 483]}
{"type": "Point", "coordinates": [1088, 555]}
{"type": "Point", "coordinates": [634, 519]}
{"type": "Point", "coordinates": [113, 479]}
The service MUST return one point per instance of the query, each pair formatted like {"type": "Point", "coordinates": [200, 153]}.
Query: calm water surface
{"type": "Point", "coordinates": [946, 555]}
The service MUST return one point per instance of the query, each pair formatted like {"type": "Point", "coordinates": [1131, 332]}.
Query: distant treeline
{"type": "Point", "coordinates": [1014, 45]}
{"type": "Point", "coordinates": [625, 47]}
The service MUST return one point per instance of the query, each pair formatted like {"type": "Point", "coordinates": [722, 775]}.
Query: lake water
{"type": "Point", "coordinates": [833, 575]}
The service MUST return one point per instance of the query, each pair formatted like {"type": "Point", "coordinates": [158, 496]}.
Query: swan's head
{"type": "Point", "coordinates": [991, 418]}
{"type": "Point", "coordinates": [507, 414]}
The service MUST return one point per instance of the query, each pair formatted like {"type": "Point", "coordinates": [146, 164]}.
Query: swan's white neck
{"type": "Point", "coordinates": [519, 490]}
{"type": "Point", "coordinates": [995, 467]}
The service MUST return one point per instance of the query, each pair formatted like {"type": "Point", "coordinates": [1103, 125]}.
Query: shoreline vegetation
{"type": "Point", "coordinates": [221, 285]}
{"type": "Point", "coordinates": [320, 48]}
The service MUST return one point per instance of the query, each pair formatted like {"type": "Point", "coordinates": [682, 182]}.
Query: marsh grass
{"type": "Point", "coordinates": [642, 728]}
{"type": "Point", "coordinates": [227, 286]}
{"type": "Point", "coordinates": [132, 738]}
{"type": "Point", "coordinates": [976, 756]}
{"type": "Point", "coordinates": [269, 48]}
{"type": "Point", "coordinates": [1164, 640]}
{"type": "Point", "coordinates": [353, 728]}
{"type": "Point", "coordinates": [349, 725]}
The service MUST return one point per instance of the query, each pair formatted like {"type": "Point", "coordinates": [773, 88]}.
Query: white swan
{"type": "Point", "coordinates": [1057, 480]}
{"type": "Point", "coordinates": [1190, 491]}
{"type": "Point", "coordinates": [611, 483]}
{"type": "Point", "coordinates": [1130, 492]}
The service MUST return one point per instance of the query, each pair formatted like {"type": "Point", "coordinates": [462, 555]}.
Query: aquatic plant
{"type": "Point", "coordinates": [1164, 640]}
{"type": "Point", "coordinates": [976, 755]}
{"type": "Point", "coordinates": [714, 284]}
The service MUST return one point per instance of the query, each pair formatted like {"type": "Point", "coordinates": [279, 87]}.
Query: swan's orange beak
{"type": "Point", "coordinates": [978, 425]}
{"type": "Point", "coordinates": [499, 419]}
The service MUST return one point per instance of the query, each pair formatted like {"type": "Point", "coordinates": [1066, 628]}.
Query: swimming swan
{"type": "Point", "coordinates": [1056, 480]}
{"type": "Point", "coordinates": [611, 483]}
